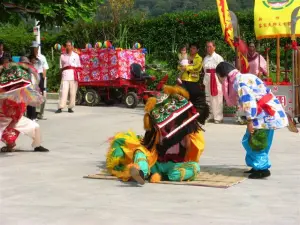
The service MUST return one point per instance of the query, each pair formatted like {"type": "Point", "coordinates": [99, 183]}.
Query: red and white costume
{"type": "Point", "coordinates": [16, 92]}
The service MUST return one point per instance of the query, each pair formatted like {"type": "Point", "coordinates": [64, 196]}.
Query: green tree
{"type": "Point", "coordinates": [159, 7]}
{"type": "Point", "coordinates": [56, 12]}
{"type": "Point", "coordinates": [116, 11]}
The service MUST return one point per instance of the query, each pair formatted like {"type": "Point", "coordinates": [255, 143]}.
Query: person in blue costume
{"type": "Point", "coordinates": [264, 114]}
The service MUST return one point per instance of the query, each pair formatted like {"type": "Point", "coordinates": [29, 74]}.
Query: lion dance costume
{"type": "Point", "coordinates": [171, 147]}
{"type": "Point", "coordinates": [16, 92]}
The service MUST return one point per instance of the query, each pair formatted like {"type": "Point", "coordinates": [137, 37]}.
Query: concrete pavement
{"type": "Point", "coordinates": [48, 188]}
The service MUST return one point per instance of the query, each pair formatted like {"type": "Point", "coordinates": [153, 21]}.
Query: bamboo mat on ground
{"type": "Point", "coordinates": [210, 176]}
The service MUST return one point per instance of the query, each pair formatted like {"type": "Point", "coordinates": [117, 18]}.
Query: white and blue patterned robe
{"type": "Point", "coordinates": [251, 89]}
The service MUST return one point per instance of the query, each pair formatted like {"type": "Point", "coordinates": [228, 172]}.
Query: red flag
{"type": "Point", "coordinates": [225, 21]}
{"type": "Point", "coordinates": [244, 63]}
{"type": "Point", "coordinates": [242, 47]}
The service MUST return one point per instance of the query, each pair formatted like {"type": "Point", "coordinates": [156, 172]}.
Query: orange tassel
{"type": "Point", "coordinates": [151, 102]}
{"type": "Point", "coordinates": [155, 178]}
{"type": "Point", "coordinates": [171, 90]}
{"type": "Point", "coordinates": [147, 122]}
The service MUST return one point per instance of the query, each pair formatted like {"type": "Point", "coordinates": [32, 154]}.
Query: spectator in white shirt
{"type": "Point", "coordinates": [70, 66]}
{"type": "Point", "coordinates": [213, 87]}
{"type": "Point", "coordinates": [42, 67]}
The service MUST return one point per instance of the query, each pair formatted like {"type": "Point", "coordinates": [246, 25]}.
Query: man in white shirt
{"type": "Point", "coordinates": [70, 66]}
{"type": "Point", "coordinates": [42, 67]}
{"type": "Point", "coordinates": [213, 87]}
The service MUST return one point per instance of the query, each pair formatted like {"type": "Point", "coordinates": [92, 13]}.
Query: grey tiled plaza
{"type": "Point", "coordinates": [49, 188]}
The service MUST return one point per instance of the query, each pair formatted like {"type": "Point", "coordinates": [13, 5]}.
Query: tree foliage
{"type": "Point", "coordinates": [158, 7]}
{"type": "Point", "coordinates": [69, 11]}
{"type": "Point", "coordinates": [115, 11]}
{"type": "Point", "coordinates": [57, 12]}
{"type": "Point", "coordinates": [11, 35]}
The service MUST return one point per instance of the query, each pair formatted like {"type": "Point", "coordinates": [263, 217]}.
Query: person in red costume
{"type": "Point", "coordinates": [16, 93]}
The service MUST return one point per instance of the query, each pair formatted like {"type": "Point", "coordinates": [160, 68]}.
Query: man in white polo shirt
{"type": "Point", "coordinates": [42, 67]}
{"type": "Point", "coordinates": [70, 66]}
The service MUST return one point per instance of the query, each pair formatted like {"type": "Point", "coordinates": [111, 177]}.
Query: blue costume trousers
{"type": "Point", "coordinates": [258, 160]}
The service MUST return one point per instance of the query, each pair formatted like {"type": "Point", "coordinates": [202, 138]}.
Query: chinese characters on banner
{"type": "Point", "coordinates": [108, 64]}
{"type": "Point", "coordinates": [273, 18]}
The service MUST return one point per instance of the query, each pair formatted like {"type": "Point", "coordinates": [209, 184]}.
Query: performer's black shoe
{"type": "Point", "coordinates": [259, 174]}
{"type": "Point", "coordinates": [41, 149]}
{"type": "Point", "coordinates": [58, 111]}
{"type": "Point", "coordinates": [137, 175]}
{"type": "Point", "coordinates": [250, 171]}
{"type": "Point", "coordinates": [70, 110]}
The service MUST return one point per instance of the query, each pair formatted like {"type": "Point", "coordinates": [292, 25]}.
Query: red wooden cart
{"type": "Point", "coordinates": [114, 76]}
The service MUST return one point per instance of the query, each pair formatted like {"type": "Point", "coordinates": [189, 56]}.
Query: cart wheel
{"type": "Point", "coordinates": [91, 97]}
{"type": "Point", "coordinates": [131, 100]}
{"type": "Point", "coordinates": [79, 97]}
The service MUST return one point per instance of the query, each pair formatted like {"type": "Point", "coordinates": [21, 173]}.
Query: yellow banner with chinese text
{"type": "Point", "coordinates": [272, 18]}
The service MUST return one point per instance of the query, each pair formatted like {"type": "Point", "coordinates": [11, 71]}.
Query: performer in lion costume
{"type": "Point", "coordinates": [172, 144]}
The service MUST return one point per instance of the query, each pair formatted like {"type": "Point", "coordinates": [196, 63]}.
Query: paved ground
{"type": "Point", "coordinates": [48, 188]}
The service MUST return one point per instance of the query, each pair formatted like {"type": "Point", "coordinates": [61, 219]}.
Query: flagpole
{"type": "Point", "coordinates": [237, 55]}
{"type": "Point", "coordinates": [278, 60]}
{"type": "Point", "coordinates": [38, 36]}
{"type": "Point", "coordinates": [295, 64]}
{"type": "Point", "coordinates": [259, 50]}
{"type": "Point", "coordinates": [268, 63]}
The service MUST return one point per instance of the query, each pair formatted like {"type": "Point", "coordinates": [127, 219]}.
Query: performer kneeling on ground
{"type": "Point", "coordinates": [264, 114]}
{"type": "Point", "coordinates": [16, 92]}
{"type": "Point", "coordinates": [171, 147]}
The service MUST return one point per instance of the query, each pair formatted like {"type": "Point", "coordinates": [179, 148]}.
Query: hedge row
{"type": "Point", "coordinates": [17, 39]}
{"type": "Point", "coordinates": [162, 36]}
{"type": "Point", "coordinates": [164, 33]}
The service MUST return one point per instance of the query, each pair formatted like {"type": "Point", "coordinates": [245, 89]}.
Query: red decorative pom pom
{"type": "Point", "coordinates": [10, 136]}
{"type": "Point", "coordinates": [294, 45]}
